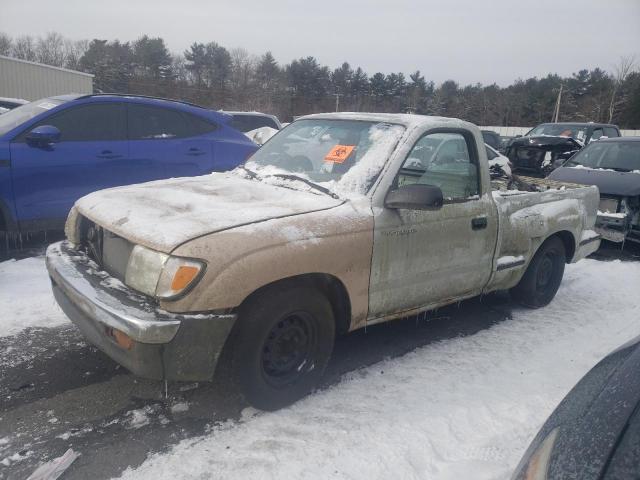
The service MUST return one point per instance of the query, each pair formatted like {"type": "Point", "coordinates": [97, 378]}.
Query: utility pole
{"type": "Point", "coordinates": [338, 95]}
{"type": "Point", "coordinates": [556, 112]}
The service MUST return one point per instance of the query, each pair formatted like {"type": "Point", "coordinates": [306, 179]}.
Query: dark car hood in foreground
{"type": "Point", "coordinates": [591, 418]}
{"type": "Point", "coordinates": [624, 184]}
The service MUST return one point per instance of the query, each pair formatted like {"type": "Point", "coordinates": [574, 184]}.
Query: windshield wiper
{"type": "Point", "coordinates": [253, 175]}
{"type": "Point", "coordinates": [308, 182]}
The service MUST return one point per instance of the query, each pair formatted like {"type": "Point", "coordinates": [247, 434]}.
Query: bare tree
{"type": "Point", "coordinates": [625, 66]}
{"type": "Point", "coordinates": [73, 51]}
{"type": "Point", "coordinates": [50, 49]}
{"type": "Point", "coordinates": [242, 73]}
{"type": "Point", "coordinates": [24, 48]}
{"type": "Point", "coordinates": [6, 44]}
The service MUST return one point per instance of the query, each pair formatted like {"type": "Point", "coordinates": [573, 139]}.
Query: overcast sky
{"type": "Point", "coordinates": [465, 40]}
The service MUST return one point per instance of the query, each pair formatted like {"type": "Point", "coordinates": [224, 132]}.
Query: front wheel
{"type": "Point", "coordinates": [282, 345]}
{"type": "Point", "coordinates": [541, 281]}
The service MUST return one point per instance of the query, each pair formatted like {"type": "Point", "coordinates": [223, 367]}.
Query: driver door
{"type": "Point", "coordinates": [426, 257]}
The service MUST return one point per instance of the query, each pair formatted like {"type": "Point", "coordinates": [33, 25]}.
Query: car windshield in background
{"type": "Point", "coordinates": [246, 123]}
{"type": "Point", "coordinates": [342, 156]}
{"type": "Point", "coordinates": [576, 132]}
{"type": "Point", "coordinates": [19, 115]}
{"type": "Point", "coordinates": [620, 156]}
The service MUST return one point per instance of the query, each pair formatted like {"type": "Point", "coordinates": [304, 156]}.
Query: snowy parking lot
{"type": "Point", "coordinates": [456, 394]}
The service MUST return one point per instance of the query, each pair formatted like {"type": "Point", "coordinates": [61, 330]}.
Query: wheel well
{"type": "Point", "coordinates": [569, 243]}
{"type": "Point", "coordinates": [329, 285]}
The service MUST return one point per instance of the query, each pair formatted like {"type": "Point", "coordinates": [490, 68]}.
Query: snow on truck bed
{"type": "Point", "coordinates": [464, 408]}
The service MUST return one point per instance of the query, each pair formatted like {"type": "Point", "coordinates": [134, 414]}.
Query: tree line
{"type": "Point", "coordinates": [233, 79]}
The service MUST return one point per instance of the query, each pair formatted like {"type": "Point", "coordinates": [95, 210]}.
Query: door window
{"type": "Point", "coordinates": [246, 123]}
{"type": "Point", "coordinates": [88, 123]}
{"type": "Point", "coordinates": [597, 133]}
{"type": "Point", "coordinates": [443, 160]}
{"type": "Point", "coordinates": [198, 125]}
{"type": "Point", "coordinates": [611, 132]}
{"type": "Point", "coordinates": [153, 123]}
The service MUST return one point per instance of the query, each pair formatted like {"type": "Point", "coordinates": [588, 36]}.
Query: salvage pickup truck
{"type": "Point", "coordinates": [338, 222]}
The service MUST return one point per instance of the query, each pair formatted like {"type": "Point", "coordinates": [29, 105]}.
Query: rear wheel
{"type": "Point", "coordinates": [541, 281]}
{"type": "Point", "coordinates": [281, 346]}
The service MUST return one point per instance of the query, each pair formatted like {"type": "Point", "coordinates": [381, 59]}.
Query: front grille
{"type": "Point", "coordinates": [107, 249]}
{"type": "Point", "coordinates": [91, 239]}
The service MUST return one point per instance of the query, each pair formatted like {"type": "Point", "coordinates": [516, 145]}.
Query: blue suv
{"type": "Point", "coordinates": [55, 150]}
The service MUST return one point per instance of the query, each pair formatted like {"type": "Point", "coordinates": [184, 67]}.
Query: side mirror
{"type": "Point", "coordinates": [43, 136]}
{"type": "Point", "coordinates": [415, 196]}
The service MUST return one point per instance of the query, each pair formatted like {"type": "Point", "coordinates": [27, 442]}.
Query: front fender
{"type": "Point", "coordinates": [338, 242]}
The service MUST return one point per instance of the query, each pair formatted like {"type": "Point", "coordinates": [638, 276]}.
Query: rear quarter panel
{"type": "Point", "coordinates": [526, 220]}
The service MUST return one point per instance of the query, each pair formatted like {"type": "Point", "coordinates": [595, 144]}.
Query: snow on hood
{"type": "Point", "coordinates": [166, 213]}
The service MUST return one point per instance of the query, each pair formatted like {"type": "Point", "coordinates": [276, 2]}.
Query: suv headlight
{"type": "Point", "coordinates": [537, 467]}
{"type": "Point", "coordinates": [160, 275]}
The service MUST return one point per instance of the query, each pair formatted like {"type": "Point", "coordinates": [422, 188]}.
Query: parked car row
{"type": "Point", "coordinates": [548, 145]}
{"type": "Point", "coordinates": [589, 154]}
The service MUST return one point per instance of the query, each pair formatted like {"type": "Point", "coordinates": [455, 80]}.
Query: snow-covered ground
{"type": "Point", "coordinates": [25, 297]}
{"type": "Point", "coordinates": [458, 409]}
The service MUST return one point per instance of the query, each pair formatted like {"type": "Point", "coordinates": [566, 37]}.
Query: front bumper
{"type": "Point", "coordinates": [164, 345]}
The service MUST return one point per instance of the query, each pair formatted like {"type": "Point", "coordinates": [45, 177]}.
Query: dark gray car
{"type": "Point", "coordinates": [594, 434]}
{"type": "Point", "coordinates": [613, 165]}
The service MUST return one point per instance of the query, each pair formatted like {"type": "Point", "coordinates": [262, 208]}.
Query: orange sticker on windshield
{"type": "Point", "coordinates": [339, 153]}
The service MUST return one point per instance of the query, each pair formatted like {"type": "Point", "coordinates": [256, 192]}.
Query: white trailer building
{"type": "Point", "coordinates": [31, 81]}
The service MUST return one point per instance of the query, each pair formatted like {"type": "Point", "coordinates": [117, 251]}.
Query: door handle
{"type": "Point", "coordinates": [195, 152]}
{"type": "Point", "coordinates": [479, 223]}
{"type": "Point", "coordinates": [108, 154]}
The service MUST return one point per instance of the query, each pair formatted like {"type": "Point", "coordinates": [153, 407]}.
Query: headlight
{"type": "Point", "coordinates": [538, 465]}
{"type": "Point", "coordinates": [71, 226]}
{"type": "Point", "coordinates": [178, 275]}
{"type": "Point", "coordinates": [161, 275]}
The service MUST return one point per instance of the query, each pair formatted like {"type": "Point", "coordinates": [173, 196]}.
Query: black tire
{"type": "Point", "coordinates": [281, 345]}
{"type": "Point", "coordinates": [541, 281]}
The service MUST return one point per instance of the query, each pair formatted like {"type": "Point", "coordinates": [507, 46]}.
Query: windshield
{"type": "Point", "coordinates": [620, 156]}
{"type": "Point", "coordinates": [577, 132]}
{"type": "Point", "coordinates": [343, 156]}
{"type": "Point", "coordinates": [19, 115]}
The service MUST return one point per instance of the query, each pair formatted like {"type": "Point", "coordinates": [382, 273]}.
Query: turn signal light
{"type": "Point", "coordinates": [121, 338]}
{"type": "Point", "coordinates": [183, 277]}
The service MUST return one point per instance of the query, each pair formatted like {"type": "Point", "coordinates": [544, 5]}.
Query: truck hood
{"type": "Point", "coordinates": [166, 213]}
{"type": "Point", "coordinates": [624, 184]}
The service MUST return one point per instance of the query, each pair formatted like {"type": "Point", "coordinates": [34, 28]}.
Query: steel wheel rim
{"type": "Point", "coordinates": [545, 272]}
{"type": "Point", "coordinates": [287, 351]}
